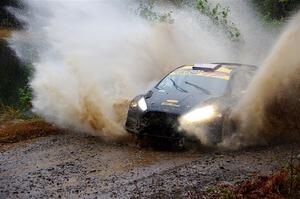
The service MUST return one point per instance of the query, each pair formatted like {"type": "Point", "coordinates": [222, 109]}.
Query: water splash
{"type": "Point", "coordinates": [93, 56]}
{"type": "Point", "coordinates": [269, 110]}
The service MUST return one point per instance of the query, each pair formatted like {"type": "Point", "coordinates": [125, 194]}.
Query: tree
{"type": "Point", "coordinates": [13, 73]}
{"type": "Point", "coordinates": [276, 10]}
{"type": "Point", "coordinates": [8, 20]}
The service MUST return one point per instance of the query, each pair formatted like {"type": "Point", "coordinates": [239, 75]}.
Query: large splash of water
{"type": "Point", "coordinates": [269, 111]}
{"type": "Point", "coordinates": [93, 56]}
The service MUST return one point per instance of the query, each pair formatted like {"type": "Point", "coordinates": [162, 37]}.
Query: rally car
{"type": "Point", "coordinates": [202, 94]}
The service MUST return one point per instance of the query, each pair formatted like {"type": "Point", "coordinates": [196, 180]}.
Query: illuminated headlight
{"type": "Point", "coordinates": [141, 103]}
{"type": "Point", "coordinates": [200, 114]}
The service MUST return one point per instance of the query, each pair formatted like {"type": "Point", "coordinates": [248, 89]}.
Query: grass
{"type": "Point", "coordinates": [16, 126]}
{"type": "Point", "coordinates": [8, 113]}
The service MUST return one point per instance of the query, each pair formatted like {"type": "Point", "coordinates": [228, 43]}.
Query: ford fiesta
{"type": "Point", "coordinates": [202, 94]}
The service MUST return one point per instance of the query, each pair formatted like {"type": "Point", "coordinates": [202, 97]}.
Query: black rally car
{"type": "Point", "coordinates": [201, 94]}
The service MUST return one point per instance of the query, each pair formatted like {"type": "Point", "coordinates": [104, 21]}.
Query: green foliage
{"type": "Point", "coordinates": [146, 11]}
{"type": "Point", "coordinates": [13, 72]}
{"type": "Point", "coordinates": [25, 97]}
{"type": "Point", "coordinates": [275, 11]}
{"type": "Point", "coordinates": [217, 13]}
{"type": "Point", "coordinates": [219, 16]}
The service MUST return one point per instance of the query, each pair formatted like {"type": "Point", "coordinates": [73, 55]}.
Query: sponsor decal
{"type": "Point", "coordinates": [170, 102]}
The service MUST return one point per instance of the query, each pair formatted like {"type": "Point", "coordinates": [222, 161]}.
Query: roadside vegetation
{"type": "Point", "coordinates": [14, 73]}
{"type": "Point", "coordinates": [283, 183]}
{"type": "Point", "coordinates": [275, 11]}
{"type": "Point", "coordinates": [219, 16]}
{"type": "Point", "coordinates": [17, 122]}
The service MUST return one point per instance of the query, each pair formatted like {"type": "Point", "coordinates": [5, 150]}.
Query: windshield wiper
{"type": "Point", "coordinates": [199, 88]}
{"type": "Point", "coordinates": [177, 87]}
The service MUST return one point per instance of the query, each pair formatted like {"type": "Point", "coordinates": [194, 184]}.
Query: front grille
{"type": "Point", "coordinates": [160, 124]}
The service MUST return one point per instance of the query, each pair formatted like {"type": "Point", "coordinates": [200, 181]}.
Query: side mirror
{"type": "Point", "coordinates": [148, 94]}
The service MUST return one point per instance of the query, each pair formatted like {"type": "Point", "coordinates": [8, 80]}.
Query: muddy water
{"type": "Point", "coordinates": [72, 166]}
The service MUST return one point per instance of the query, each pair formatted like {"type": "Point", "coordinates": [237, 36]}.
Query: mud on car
{"type": "Point", "coordinates": [201, 94]}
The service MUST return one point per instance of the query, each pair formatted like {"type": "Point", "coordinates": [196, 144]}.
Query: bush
{"type": "Point", "coordinates": [25, 96]}
{"type": "Point", "coordinates": [13, 75]}
{"type": "Point", "coordinates": [219, 16]}
{"type": "Point", "coordinates": [8, 113]}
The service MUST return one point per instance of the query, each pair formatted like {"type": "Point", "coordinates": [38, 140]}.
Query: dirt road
{"type": "Point", "coordinates": [73, 165]}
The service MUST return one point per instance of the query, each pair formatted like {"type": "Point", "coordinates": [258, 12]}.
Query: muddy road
{"type": "Point", "coordinates": [74, 165]}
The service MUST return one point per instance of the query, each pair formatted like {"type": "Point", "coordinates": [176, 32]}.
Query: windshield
{"type": "Point", "coordinates": [189, 82]}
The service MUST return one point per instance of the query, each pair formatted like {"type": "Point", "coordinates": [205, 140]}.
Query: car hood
{"type": "Point", "coordinates": [176, 102]}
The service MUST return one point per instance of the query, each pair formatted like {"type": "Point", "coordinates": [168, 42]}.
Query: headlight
{"type": "Point", "coordinates": [133, 104]}
{"type": "Point", "coordinates": [200, 114]}
{"type": "Point", "coordinates": [141, 103]}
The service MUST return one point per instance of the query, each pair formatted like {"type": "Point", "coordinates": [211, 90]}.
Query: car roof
{"type": "Point", "coordinates": [223, 65]}
{"type": "Point", "coordinates": [237, 65]}
{"type": "Point", "coordinates": [217, 70]}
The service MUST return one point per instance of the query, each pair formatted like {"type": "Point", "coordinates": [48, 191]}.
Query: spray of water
{"type": "Point", "coordinates": [269, 110]}
{"type": "Point", "coordinates": [93, 56]}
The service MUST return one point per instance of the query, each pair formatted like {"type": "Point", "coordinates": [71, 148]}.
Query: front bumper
{"type": "Point", "coordinates": [153, 123]}
{"type": "Point", "coordinates": [163, 125]}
